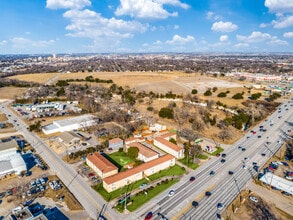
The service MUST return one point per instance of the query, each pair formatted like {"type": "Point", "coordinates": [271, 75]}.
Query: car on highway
{"type": "Point", "coordinates": [223, 160]}
{"type": "Point", "coordinates": [252, 198]}
{"type": "Point", "coordinates": [224, 155]}
{"type": "Point", "coordinates": [246, 159]}
{"type": "Point", "coordinates": [191, 179]}
{"type": "Point", "coordinates": [263, 154]}
{"type": "Point", "coordinates": [244, 167]}
{"type": "Point", "coordinates": [194, 204]}
{"type": "Point", "coordinates": [212, 173]}
{"type": "Point", "coordinates": [148, 216]}
{"type": "Point", "coordinates": [230, 172]}
{"type": "Point", "coordinates": [259, 136]}
{"type": "Point", "coordinates": [171, 193]}
{"type": "Point", "coordinates": [208, 193]}
{"type": "Point", "coordinates": [220, 206]}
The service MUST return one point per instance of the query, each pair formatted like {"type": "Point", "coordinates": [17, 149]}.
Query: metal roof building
{"type": "Point", "coordinates": [69, 124]}
{"type": "Point", "coordinates": [278, 182]}
{"type": "Point", "coordinates": [10, 160]}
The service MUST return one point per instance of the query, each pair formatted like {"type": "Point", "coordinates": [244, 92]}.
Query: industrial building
{"type": "Point", "coordinates": [70, 124]}
{"type": "Point", "coordinates": [11, 162]}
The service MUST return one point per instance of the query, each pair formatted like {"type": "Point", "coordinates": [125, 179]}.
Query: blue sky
{"type": "Point", "coordinates": [137, 26]}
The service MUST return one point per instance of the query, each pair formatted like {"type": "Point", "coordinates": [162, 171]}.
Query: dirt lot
{"type": "Point", "coordinates": [11, 92]}
{"type": "Point", "coordinates": [38, 77]}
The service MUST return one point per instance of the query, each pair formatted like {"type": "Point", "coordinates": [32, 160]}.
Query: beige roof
{"type": "Point", "coordinates": [8, 145]}
{"type": "Point", "coordinates": [134, 139]}
{"type": "Point", "coordinates": [145, 151]}
{"type": "Point", "coordinates": [123, 175]}
{"type": "Point", "coordinates": [114, 140]}
{"type": "Point", "coordinates": [68, 136]}
{"type": "Point", "coordinates": [168, 144]}
{"type": "Point", "coordinates": [101, 162]}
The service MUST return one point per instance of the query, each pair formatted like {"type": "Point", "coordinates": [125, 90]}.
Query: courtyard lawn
{"type": "Point", "coordinates": [121, 158]}
{"type": "Point", "coordinates": [202, 156]}
{"type": "Point", "coordinates": [189, 163]}
{"type": "Point", "coordinates": [175, 170]}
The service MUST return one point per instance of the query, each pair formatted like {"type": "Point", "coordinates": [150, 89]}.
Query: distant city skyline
{"type": "Point", "coordinates": [145, 26]}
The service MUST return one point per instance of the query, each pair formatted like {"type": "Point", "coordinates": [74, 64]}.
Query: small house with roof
{"type": "Point", "coordinates": [115, 143]}
{"type": "Point", "coordinates": [169, 147]}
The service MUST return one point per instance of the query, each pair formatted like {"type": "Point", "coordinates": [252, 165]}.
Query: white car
{"type": "Point", "coordinates": [171, 193]}
{"type": "Point", "coordinates": [252, 198]}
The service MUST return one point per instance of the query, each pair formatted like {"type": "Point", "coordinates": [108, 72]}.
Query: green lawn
{"type": "Point", "coordinates": [189, 163]}
{"type": "Point", "coordinates": [202, 156]}
{"type": "Point", "coordinates": [175, 170]}
{"type": "Point", "coordinates": [121, 158]}
{"type": "Point", "coordinates": [218, 151]}
{"type": "Point", "coordinates": [141, 198]}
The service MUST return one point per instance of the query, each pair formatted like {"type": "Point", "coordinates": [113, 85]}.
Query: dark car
{"type": "Point", "coordinates": [194, 204]}
{"type": "Point", "coordinates": [224, 155]}
{"type": "Point", "coordinates": [258, 136]}
{"type": "Point", "coordinates": [191, 179]}
{"type": "Point", "coordinates": [149, 216]}
{"type": "Point", "coordinates": [230, 172]}
{"type": "Point", "coordinates": [208, 193]}
{"type": "Point", "coordinates": [263, 154]}
{"type": "Point", "coordinates": [212, 173]}
{"type": "Point", "coordinates": [223, 161]}
{"type": "Point", "coordinates": [243, 149]}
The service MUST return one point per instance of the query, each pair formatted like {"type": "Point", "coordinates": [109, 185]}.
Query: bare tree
{"type": "Point", "coordinates": [226, 134]}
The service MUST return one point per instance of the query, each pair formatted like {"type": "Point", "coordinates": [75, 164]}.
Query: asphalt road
{"type": "Point", "coordinates": [224, 187]}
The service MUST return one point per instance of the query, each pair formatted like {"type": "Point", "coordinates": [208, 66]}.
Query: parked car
{"type": "Point", "coordinates": [143, 185]}
{"type": "Point", "coordinates": [252, 198]}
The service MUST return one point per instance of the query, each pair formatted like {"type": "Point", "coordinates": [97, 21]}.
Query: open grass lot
{"type": "Point", "coordinates": [121, 158]}
{"type": "Point", "coordinates": [11, 92]}
{"type": "Point", "coordinates": [37, 77]}
{"type": "Point", "coordinates": [189, 163]}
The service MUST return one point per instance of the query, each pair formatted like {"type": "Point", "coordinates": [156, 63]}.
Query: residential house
{"type": "Point", "coordinates": [127, 177]}
{"type": "Point", "coordinates": [103, 167]}
{"type": "Point", "coordinates": [169, 147]}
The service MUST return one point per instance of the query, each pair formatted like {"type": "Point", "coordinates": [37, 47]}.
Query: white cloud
{"type": "Point", "coordinates": [224, 26]}
{"type": "Point", "coordinates": [242, 45]}
{"type": "Point", "coordinates": [20, 43]}
{"type": "Point", "coordinates": [3, 42]}
{"type": "Point", "coordinates": [87, 23]}
{"type": "Point", "coordinates": [279, 5]}
{"type": "Point", "coordinates": [176, 27]}
{"type": "Point", "coordinates": [212, 16]}
{"type": "Point", "coordinates": [180, 40]}
{"type": "Point", "coordinates": [263, 25]}
{"type": "Point", "coordinates": [71, 4]}
{"type": "Point", "coordinates": [150, 9]}
{"type": "Point", "coordinates": [224, 38]}
{"type": "Point", "coordinates": [256, 37]}
{"type": "Point", "coordinates": [283, 22]}
{"type": "Point", "coordinates": [288, 35]}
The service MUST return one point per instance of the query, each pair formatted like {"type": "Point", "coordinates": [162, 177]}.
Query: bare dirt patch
{"type": "Point", "coordinates": [3, 117]}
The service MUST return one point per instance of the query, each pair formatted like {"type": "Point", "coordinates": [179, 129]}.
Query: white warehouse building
{"type": "Point", "coordinates": [70, 124]}
{"type": "Point", "coordinates": [10, 161]}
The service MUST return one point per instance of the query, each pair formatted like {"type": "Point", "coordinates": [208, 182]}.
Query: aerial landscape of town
{"type": "Point", "coordinates": [137, 130]}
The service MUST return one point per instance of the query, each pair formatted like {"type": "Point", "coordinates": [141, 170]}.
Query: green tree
{"type": "Point", "coordinates": [256, 96]}
{"type": "Point", "coordinates": [238, 96]}
{"type": "Point", "coordinates": [208, 93]}
{"type": "Point", "coordinates": [166, 113]}
{"type": "Point", "coordinates": [194, 91]}
{"type": "Point", "coordinates": [222, 94]}
{"type": "Point", "coordinates": [172, 140]}
{"type": "Point", "coordinates": [133, 152]}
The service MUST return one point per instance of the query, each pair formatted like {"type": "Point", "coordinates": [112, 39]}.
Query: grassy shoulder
{"type": "Point", "coordinates": [189, 163]}
{"type": "Point", "coordinates": [218, 151]}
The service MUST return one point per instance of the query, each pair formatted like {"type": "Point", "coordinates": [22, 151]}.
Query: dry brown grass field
{"type": "Point", "coordinates": [11, 92]}
{"type": "Point", "coordinates": [3, 117]}
{"type": "Point", "coordinates": [37, 77]}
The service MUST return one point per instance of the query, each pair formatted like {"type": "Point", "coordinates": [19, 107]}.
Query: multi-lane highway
{"type": "Point", "coordinates": [224, 187]}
